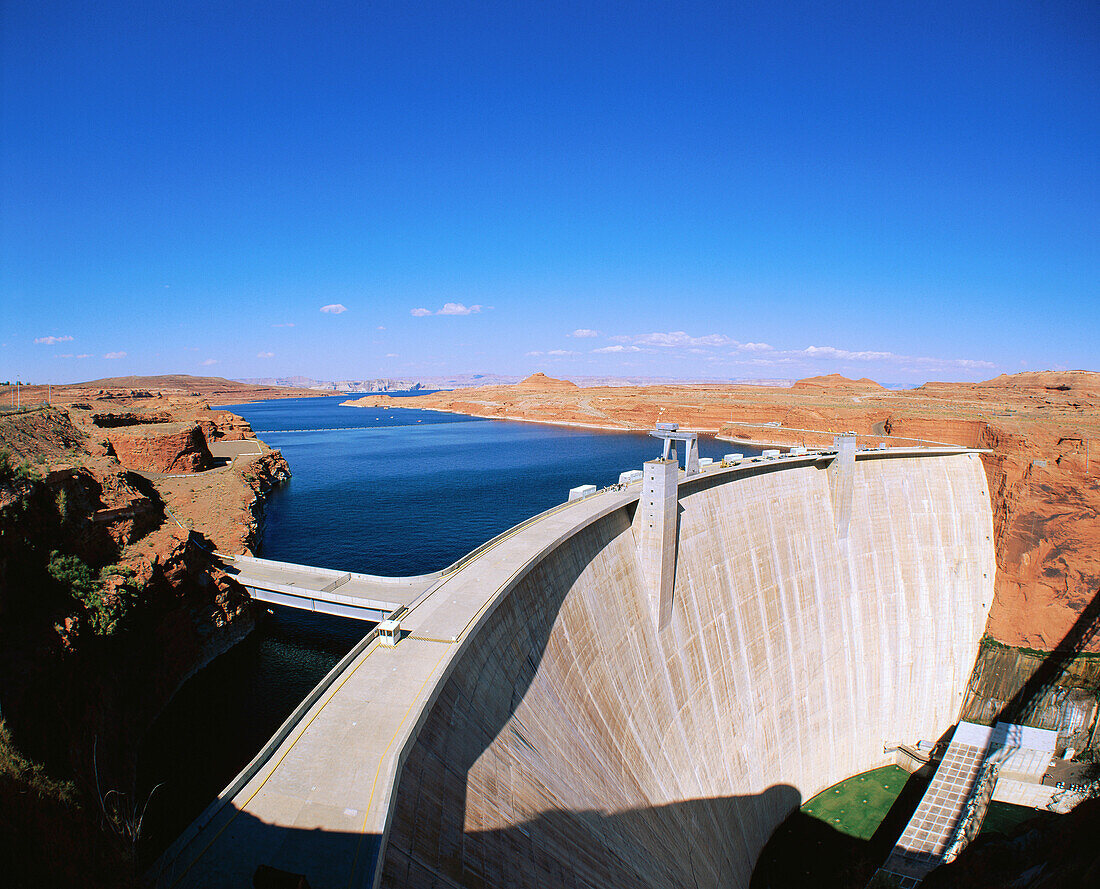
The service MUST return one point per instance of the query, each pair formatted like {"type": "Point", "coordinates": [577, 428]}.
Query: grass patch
{"type": "Point", "coordinates": [30, 776]}
{"type": "Point", "coordinates": [857, 805]}
{"type": "Point", "coordinates": [1004, 818]}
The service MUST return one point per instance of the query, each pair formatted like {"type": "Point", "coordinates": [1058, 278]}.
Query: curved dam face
{"type": "Point", "coordinates": [572, 742]}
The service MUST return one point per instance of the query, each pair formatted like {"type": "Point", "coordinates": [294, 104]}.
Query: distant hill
{"type": "Point", "coordinates": [469, 381]}
{"type": "Point", "coordinates": [542, 383]}
{"type": "Point", "coordinates": [387, 384]}
{"type": "Point", "coordinates": [215, 389]}
{"type": "Point", "coordinates": [182, 382]}
{"type": "Point", "coordinates": [838, 383]}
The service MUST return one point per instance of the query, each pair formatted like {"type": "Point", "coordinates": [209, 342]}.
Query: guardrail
{"type": "Point", "coordinates": [774, 427]}
{"type": "Point", "coordinates": [25, 409]}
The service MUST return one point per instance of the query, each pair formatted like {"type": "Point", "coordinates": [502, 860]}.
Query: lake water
{"type": "Point", "coordinates": [400, 491]}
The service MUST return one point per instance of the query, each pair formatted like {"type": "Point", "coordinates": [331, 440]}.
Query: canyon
{"type": "Point", "coordinates": [135, 479]}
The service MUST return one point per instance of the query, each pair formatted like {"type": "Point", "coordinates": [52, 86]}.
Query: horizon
{"type": "Point", "coordinates": [465, 380]}
{"type": "Point", "coordinates": [690, 192]}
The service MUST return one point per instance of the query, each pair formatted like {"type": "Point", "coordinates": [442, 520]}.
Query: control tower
{"type": "Point", "coordinates": [670, 433]}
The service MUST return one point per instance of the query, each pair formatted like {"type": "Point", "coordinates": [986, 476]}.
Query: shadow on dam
{"type": "Point", "coordinates": [806, 851]}
{"type": "Point", "coordinates": [682, 860]}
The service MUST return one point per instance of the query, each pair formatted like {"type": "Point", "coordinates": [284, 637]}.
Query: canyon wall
{"type": "Point", "coordinates": [574, 744]}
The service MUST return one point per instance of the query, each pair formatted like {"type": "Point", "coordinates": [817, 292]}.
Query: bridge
{"type": "Point", "coordinates": [600, 696]}
{"type": "Point", "coordinates": [366, 597]}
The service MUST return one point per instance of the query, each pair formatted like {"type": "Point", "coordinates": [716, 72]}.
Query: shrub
{"type": "Point", "coordinates": [26, 472]}
{"type": "Point", "coordinates": [108, 613]}
{"type": "Point", "coordinates": [74, 575]}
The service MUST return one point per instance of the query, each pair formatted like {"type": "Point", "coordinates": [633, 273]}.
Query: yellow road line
{"type": "Point", "coordinates": [238, 810]}
{"type": "Point", "coordinates": [382, 758]}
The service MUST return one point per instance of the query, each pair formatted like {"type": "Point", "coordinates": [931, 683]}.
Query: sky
{"type": "Point", "coordinates": [724, 190]}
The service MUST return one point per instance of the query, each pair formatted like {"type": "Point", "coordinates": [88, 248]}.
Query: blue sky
{"type": "Point", "coordinates": [706, 190]}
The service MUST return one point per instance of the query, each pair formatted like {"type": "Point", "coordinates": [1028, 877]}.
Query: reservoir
{"type": "Point", "coordinates": [393, 492]}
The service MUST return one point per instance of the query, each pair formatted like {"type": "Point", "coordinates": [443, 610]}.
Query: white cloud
{"type": "Point", "coordinates": [458, 309]}
{"type": "Point", "coordinates": [844, 354]}
{"type": "Point", "coordinates": [609, 349]}
{"type": "Point", "coordinates": [676, 339]}
{"type": "Point", "coordinates": [334, 309]}
{"type": "Point", "coordinates": [764, 355]}
{"type": "Point", "coordinates": [84, 355]}
{"type": "Point", "coordinates": [560, 352]}
{"type": "Point", "coordinates": [113, 355]}
{"type": "Point", "coordinates": [265, 354]}
{"type": "Point", "coordinates": [380, 327]}
{"type": "Point", "coordinates": [52, 340]}
{"type": "Point", "coordinates": [449, 309]}
{"type": "Point", "coordinates": [831, 352]}
{"type": "Point", "coordinates": [533, 354]}
{"type": "Point", "coordinates": [582, 332]}
{"type": "Point", "coordinates": [290, 323]}
{"type": "Point", "coordinates": [392, 355]}
{"type": "Point", "coordinates": [209, 361]}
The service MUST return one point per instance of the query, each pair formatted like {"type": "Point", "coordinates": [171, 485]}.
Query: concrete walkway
{"type": "Point", "coordinates": [1021, 754]}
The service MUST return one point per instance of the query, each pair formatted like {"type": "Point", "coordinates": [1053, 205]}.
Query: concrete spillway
{"type": "Point", "coordinates": [537, 728]}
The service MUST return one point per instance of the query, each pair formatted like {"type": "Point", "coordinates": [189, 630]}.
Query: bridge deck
{"type": "Point", "coordinates": [361, 596]}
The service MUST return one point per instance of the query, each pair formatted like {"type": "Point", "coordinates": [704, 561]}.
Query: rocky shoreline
{"type": "Point", "coordinates": [1044, 481]}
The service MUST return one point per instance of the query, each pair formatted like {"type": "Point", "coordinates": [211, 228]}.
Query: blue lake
{"type": "Point", "coordinates": [399, 491]}
{"type": "Point", "coordinates": [409, 491]}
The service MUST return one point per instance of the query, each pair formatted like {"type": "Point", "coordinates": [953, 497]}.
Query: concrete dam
{"type": "Point", "coordinates": [566, 709]}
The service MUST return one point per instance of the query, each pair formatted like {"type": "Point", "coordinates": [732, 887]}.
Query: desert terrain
{"type": "Point", "coordinates": [1040, 433]}
{"type": "Point", "coordinates": [216, 390]}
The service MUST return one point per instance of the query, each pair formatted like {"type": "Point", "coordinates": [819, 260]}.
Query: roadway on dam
{"type": "Point", "coordinates": [318, 799]}
{"type": "Point", "coordinates": [310, 783]}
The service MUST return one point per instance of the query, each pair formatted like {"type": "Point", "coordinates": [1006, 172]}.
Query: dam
{"type": "Point", "coordinates": [551, 718]}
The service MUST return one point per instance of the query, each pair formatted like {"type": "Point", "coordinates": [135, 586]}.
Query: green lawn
{"type": "Point", "coordinates": [1004, 817]}
{"type": "Point", "coordinates": [857, 805]}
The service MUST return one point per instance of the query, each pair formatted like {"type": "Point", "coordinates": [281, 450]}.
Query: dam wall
{"type": "Point", "coordinates": [570, 742]}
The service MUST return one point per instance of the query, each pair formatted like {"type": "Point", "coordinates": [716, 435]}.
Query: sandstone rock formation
{"type": "Point", "coordinates": [540, 382]}
{"type": "Point", "coordinates": [837, 383]}
{"type": "Point", "coordinates": [164, 447]}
